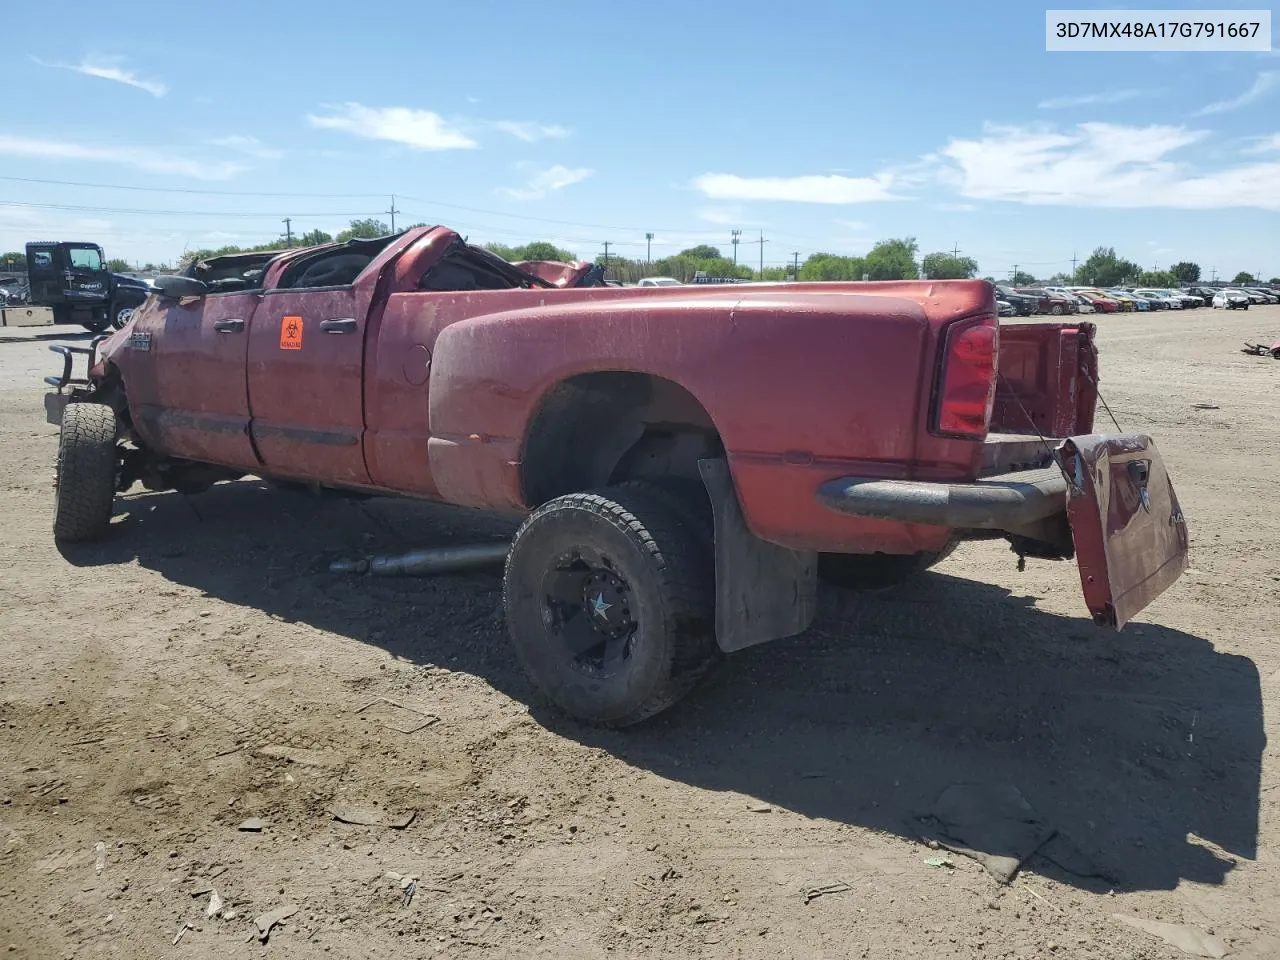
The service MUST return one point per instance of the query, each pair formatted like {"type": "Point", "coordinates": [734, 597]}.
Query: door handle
{"type": "Point", "coordinates": [229, 326]}
{"type": "Point", "coordinates": [339, 325]}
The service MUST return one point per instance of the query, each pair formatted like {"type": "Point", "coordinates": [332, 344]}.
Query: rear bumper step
{"type": "Point", "coordinates": [1000, 502]}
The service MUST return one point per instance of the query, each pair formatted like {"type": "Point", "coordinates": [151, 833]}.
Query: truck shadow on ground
{"type": "Point", "coordinates": [1144, 748]}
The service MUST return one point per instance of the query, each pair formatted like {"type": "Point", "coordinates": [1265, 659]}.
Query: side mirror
{"type": "Point", "coordinates": [179, 288]}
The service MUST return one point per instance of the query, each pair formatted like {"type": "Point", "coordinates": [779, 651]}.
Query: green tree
{"type": "Point", "coordinates": [945, 266]}
{"type": "Point", "coordinates": [1186, 271]}
{"type": "Point", "coordinates": [832, 266]}
{"type": "Point", "coordinates": [1022, 279]}
{"type": "Point", "coordinates": [366, 229]}
{"type": "Point", "coordinates": [1243, 277]}
{"type": "Point", "coordinates": [1059, 280]}
{"type": "Point", "coordinates": [1159, 278]}
{"type": "Point", "coordinates": [542, 250]}
{"type": "Point", "coordinates": [312, 238]}
{"type": "Point", "coordinates": [893, 260]}
{"type": "Point", "coordinates": [775, 274]}
{"type": "Point", "coordinates": [1105, 269]}
{"type": "Point", "coordinates": [1274, 280]}
{"type": "Point", "coordinates": [116, 265]}
{"type": "Point", "coordinates": [15, 261]}
{"type": "Point", "coordinates": [702, 252]}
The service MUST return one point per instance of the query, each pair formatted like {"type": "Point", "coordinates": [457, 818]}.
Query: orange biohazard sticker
{"type": "Point", "coordinates": [290, 333]}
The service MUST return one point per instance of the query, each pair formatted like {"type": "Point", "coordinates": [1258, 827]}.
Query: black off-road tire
{"type": "Point", "coordinates": [876, 571]}
{"type": "Point", "coordinates": [669, 580]}
{"type": "Point", "coordinates": [86, 473]}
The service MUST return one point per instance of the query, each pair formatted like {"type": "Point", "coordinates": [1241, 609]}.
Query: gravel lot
{"type": "Point", "coordinates": [201, 668]}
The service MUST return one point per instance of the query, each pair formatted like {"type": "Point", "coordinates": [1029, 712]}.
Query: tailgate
{"type": "Point", "coordinates": [1129, 532]}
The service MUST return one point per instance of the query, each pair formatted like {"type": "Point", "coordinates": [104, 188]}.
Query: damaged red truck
{"type": "Point", "coordinates": [690, 461]}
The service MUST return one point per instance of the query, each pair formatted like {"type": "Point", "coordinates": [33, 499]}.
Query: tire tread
{"type": "Point", "coordinates": [86, 472]}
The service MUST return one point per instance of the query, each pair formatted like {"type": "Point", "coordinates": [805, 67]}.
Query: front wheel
{"type": "Point", "coordinates": [87, 472]}
{"type": "Point", "coordinates": [1056, 310]}
{"type": "Point", "coordinates": [610, 601]}
{"type": "Point", "coordinates": [120, 315]}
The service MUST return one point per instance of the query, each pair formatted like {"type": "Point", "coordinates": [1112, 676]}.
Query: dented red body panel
{"type": "Point", "coordinates": [433, 393]}
{"type": "Point", "coordinates": [1128, 527]}
{"type": "Point", "coordinates": [552, 271]}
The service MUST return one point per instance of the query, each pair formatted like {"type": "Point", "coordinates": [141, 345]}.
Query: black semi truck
{"type": "Point", "coordinates": [72, 278]}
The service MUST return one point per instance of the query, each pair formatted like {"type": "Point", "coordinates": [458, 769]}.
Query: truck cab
{"type": "Point", "coordinates": [72, 278]}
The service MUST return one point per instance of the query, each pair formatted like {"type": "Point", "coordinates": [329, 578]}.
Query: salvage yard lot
{"type": "Point", "coordinates": [201, 668]}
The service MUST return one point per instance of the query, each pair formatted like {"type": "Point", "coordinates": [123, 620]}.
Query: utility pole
{"type": "Point", "coordinates": [606, 257]}
{"type": "Point", "coordinates": [648, 248]}
{"type": "Point", "coordinates": [1214, 279]}
{"type": "Point", "coordinates": [288, 231]}
{"type": "Point", "coordinates": [762, 241]}
{"type": "Point", "coordinates": [1014, 274]}
{"type": "Point", "coordinates": [393, 211]}
{"type": "Point", "coordinates": [1074, 261]}
{"type": "Point", "coordinates": [735, 234]}
{"type": "Point", "coordinates": [795, 265]}
{"type": "Point", "coordinates": [955, 251]}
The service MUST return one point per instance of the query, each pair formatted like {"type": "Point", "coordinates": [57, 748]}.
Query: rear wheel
{"type": "Point", "coordinates": [87, 472]}
{"type": "Point", "coordinates": [610, 604]}
{"type": "Point", "coordinates": [1056, 309]}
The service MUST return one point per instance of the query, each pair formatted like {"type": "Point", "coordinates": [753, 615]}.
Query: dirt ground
{"type": "Point", "coordinates": [201, 668]}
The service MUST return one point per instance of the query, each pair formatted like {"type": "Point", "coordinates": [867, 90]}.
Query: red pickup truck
{"type": "Point", "coordinates": [689, 460]}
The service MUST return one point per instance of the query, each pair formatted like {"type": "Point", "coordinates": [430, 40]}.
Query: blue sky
{"type": "Point", "coordinates": [826, 127]}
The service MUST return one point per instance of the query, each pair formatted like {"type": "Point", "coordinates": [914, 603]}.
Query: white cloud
{"type": "Point", "coordinates": [152, 160]}
{"type": "Point", "coordinates": [109, 68]}
{"type": "Point", "coordinates": [528, 131]}
{"type": "Point", "coordinates": [249, 146]}
{"type": "Point", "coordinates": [548, 181]}
{"type": "Point", "coordinates": [1266, 81]}
{"type": "Point", "coordinates": [1090, 99]}
{"type": "Point", "coordinates": [1265, 144]}
{"type": "Point", "coordinates": [804, 189]}
{"type": "Point", "coordinates": [957, 207]}
{"type": "Point", "coordinates": [1102, 165]}
{"type": "Point", "coordinates": [420, 129]}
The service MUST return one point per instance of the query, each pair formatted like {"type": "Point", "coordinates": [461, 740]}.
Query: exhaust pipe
{"type": "Point", "coordinates": [427, 561]}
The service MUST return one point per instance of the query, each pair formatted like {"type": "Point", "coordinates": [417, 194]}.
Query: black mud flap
{"type": "Point", "coordinates": [763, 591]}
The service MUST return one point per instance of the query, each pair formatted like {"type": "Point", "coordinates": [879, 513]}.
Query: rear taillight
{"type": "Point", "coordinates": [967, 386]}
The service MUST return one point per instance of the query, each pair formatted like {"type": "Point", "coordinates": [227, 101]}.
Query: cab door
{"type": "Point", "coordinates": [186, 374]}
{"type": "Point", "coordinates": [306, 365]}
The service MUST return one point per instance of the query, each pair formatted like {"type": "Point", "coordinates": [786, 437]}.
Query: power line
{"type": "Point", "coordinates": [393, 211]}
{"type": "Point", "coordinates": [194, 191]}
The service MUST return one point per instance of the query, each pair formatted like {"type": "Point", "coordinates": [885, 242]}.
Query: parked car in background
{"type": "Point", "coordinates": [1171, 302]}
{"type": "Point", "coordinates": [1154, 300]}
{"type": "Point", "coordinates": [1054, 304]}
{"type": "Point", "coordinates": [1022, 304]}
{"type": "Point", "coordinates": [1125, 297]}
{"type": "Point", "coordinates": [1230, 300]}
{"type": "Point", "coordinates": [658, 282]}
{"type": "Point", "coordinates": [1204, 293]}
{"type": "Point", "coordinates": [1267, 295]}
{"type": "Point", "coordinates": [1083, 304]}
{"type": "Point", "coordinates": [1189, 300]}
{"type": "Point", "coordinates": [1005, 308]}
{"type": "Point", "coordinates": [1101, 302]}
